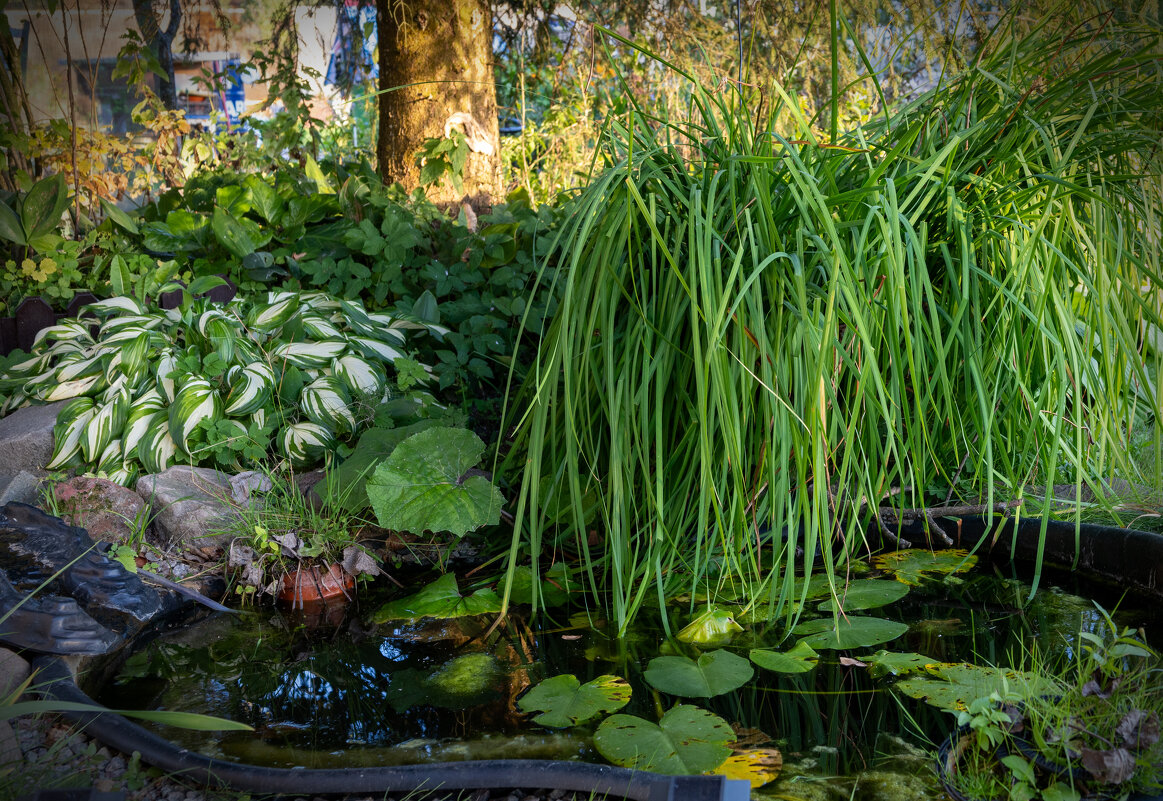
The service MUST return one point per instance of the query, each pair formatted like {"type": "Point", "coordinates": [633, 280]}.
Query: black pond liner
{"type": "Point", "coordinates": [117, 732]}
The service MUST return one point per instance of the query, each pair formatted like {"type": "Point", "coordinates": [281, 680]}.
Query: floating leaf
{"type": "Point", "coordinates": [564, 702]}
{"type": "Point", "coordinates": [853, 632]}
{"type": "Point", "coordinates": [867, 594]}
{"type": "Point", "coordinates": [917, 564]}
{"type": "Point", "coordinates": [892, 663]}
{"type": "Point", "coordinates": [757, 766]}
{"type": "Point", "coordinates": [713, 674]}
{"type": "Point", "coordinates": [440, 599]}
{"type": "Point", "coordinates": [688, 740]}
{"type": "Point", "coordinates": [956, 684]}
{"type": "Point", "coordinates": [555, 589]}
{"type": "Point", "coordinates": [715, 626]}
{"type": "Point", "coordinates": [800, 659]}
{"type": "Point", "coordinates": [422, 486]}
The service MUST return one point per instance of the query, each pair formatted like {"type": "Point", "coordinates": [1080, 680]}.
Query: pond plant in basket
{"type": "Point", "coordinates": [1091, 732]}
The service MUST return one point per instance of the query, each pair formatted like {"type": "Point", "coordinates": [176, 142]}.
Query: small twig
{"type": "Point", "coordinates": [886, 514]}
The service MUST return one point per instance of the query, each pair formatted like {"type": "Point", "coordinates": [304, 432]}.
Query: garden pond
{"type": "Point", "coordinates": [339, 689]}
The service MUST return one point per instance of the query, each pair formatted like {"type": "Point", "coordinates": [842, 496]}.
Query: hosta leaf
{"type": "Point", "coordinates": [563, 701]}
{"type": "Point", "coordinates": [688, 740]}
{"type": "Point", "coordinates": [421, 485]}
{"type": "Point", "coordinates": [440, 599]}
{"type": "Point", "coordinates": [800, 659]}
{"type": "Point", "coordinates": [866, 594]}
{"type": "Point", "coordinates": [915, 565]}
{"type": "Point", "coordinates": [713, 626]}
{"type": "Point", "coordinates": [714, 673]}
{"type": "Point", "coordinates": [853, 632]}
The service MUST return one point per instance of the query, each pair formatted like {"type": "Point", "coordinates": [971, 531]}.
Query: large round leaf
{"type": "Point", "coordinates": [687, 740]}
{"type": "Point", "coordinates": [853, 632]}
{"type": "Point", "coordinates": [564, 702]}
{"type": "Point", "coordinates": [866, 594]}
{"type": "Point", "coordinates": [440, 599]}
{"type": "Point", "coordinates": [713, 674]}
{"type": "Point", "coordinates": [885, 663]}
{"type": "Point", "coordinates": [800, 659]}
{"type": "Point", "coordinates": [956, 684]}
{"type": "Point", "coordinates": [914, 565]}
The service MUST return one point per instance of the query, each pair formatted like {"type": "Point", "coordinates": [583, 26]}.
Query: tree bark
{"type": "Point", "coordinates": [161, 41]}
{"type": "Point", "coordinates": [436, 60]}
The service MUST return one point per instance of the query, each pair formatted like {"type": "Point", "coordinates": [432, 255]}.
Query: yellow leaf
{"type": "Point", "coordinates": [757, 765]}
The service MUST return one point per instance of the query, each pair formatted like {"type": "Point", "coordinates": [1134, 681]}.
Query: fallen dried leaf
{"type": "Point", "coordinates": [1112, 767]}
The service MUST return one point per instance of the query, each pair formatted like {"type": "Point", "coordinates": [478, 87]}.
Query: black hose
{"type": "Point", "coordinates": [113, 730]}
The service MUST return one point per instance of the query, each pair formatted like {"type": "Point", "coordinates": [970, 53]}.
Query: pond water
{"type": "Point", "coordinates": [344, 692]}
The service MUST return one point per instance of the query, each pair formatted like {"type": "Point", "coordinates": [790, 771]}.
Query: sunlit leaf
{"type": "Point", "coordinates": [915, 565]}
{"type": "Point", "coordinates": [758, 766]}
{"type": "Point", "coordinates": [564, 702]}
{"type": "Point", "coordinates": [866, 594]}
{"type": "Point", "coordinates": [954, 685]}
{"type": "Point", "coordinates": [440, 599]}
{"type": "Point", "coordinates": [891, 663]}
{"type": "Point", "coordinates": [714, 626]}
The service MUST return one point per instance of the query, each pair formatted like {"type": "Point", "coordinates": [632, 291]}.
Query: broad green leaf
{"type": "Point", "coordinates": [440, 599]}
{"type": "Point", "coordinates": [374, 445]}
{"type": "Point", "coordinates": [713, 626]}
{"type": "Point", "coordinates": [10, 227]}
{"type": "Point", "coordinates": [554, 590]}
{"type": "Point", "coordinates": [312, 170]}
{"type": "Point", "coordinates": [757, 766]}
{"type": "Point", "coordinates": [564, 702]}
{"type": "Point", "coordinates": [118, 216]}
{"type": "Point", "coordinates": [714, 673]}
{"type": "Point", "coordinates": [421, 486]}
{"type": "Point", "coordinates": [800, 659]}
{"type": "Point", "coordinates": [954, 685]}
{"type": "Point", "coordinates": [688, 740]}
{"type": "Point", "coordinates": [230, 234]}
{"type": "Point", "coordinates": [891, 663]}
{"type": "Point", "coordinates": [853, 632]}
{"type": "Point", "coordinates": [266, 200]}
{"type": "Point", "coordinates": [41, 211]}
{"type": "Point", "coordinates": [915, 565]}
{"type": "Point", "coordinates": [866, 594]}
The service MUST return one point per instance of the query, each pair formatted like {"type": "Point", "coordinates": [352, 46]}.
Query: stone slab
{"type": "Point", "coordinates": [26, 438]}
{"type": "Point", "coordinates": [189, 504]}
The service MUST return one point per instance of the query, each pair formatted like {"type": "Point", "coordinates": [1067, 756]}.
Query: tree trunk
{"type": "Point", "coordinates": [161, 41]}
{"type": "Point", "coordinates": [439, 53]}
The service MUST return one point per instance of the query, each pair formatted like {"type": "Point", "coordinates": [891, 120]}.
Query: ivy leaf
{"type": "Point", "coordinates": [565, 702]}
{"type": "Point", "coordinates": [440, 599]}
{"type": "Point", "coordinates": [688, 740]}
{"type": "Point", "coordinates": [715, 673]}
{"type": "Point", "coordinates": [422, 486]}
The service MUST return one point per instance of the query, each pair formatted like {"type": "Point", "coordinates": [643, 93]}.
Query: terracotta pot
{"type": "Point", "coordinates": [317, 585]}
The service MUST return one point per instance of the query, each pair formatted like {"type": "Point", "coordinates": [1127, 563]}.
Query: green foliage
{"type": "Point", "coordinates": [799, 659]}
{"type": "Point", "coordinates": [563, 701]}
{"type": "Point", "coordinates": [848, 632]}
{"type": "Point", "coordinates": [916, 565]}
{"type": "Point", "coordinates": [441, 157]}
{"type": "Point", "coordinates": [687, 740]}
{"type": "Point", "coordinates": [714, 673]}
{"type": "Point", "coordinates": [440, 599]}
{"type": "Point", "coordinates": [865, 594]}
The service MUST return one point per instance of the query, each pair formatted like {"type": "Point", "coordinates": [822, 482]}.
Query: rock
{"type": "Point", "coordinates": [108, 511]}
{"type": "Point", "coordinates": [23, 487]}
{"type": "Point", "coordinates": [10, 753]}
{"type": "Point", "coordinates": [26, 438]}
{"type": "Point", "coordinates": [13, 671]}
{"type": "Point", "coordinates": [191, 506]}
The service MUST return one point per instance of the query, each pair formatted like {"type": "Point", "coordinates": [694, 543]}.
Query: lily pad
{"type": "Point", "coordinates": [892, 663]}
{"type": "Point", "coordinates": [422, 486]}
{"type": "Point", "coordinates": [800, 659]}
{"type": "Point", "coordinates": [956, 684]}
{"type": "Point", "coordinates": [714, 626]}
{"type": "Point", "coordinates": [713, 674]}
{"type": "Point", "coordinates": [565, 702]}
{"type": "Point", "coordinates": [688, 740]}
{"type": "Point", "coordinates": [758, 766]}
{"type": "Point", "coordinates": [853, 632]}
{"type": "Point", "coordinates": [440, 599]}
{"type": "Point", "coordinates": [915, 565]}
{"type": "Point", "coordinates": [867, 594]}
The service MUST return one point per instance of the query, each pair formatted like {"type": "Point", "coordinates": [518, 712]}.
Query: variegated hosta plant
{"type": "Point", "coordinates": [210, 384]}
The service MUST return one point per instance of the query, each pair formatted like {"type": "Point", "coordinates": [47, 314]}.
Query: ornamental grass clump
{"type": "Point", "coordinates": [762, 339]}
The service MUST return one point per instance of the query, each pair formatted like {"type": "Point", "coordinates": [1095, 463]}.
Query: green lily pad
{"type": "Point", "coordinates": [688, 740]}
{"type": "Point", "coordinates": [956, 684]}
{"type": "Point", "coordinates": [714, 626]}
{"type": "Point", "coordinates": [866, 594]}
{"type": "Point", "coordinates": [713, 674]}
{"type": "Point", "coordinates": [800, 659]}
{"type": "Point", "coordinates": [892, 663]}
{"type": "Point", "coordinates": [854, 632]}
{"type": "Point", "coordinates": [564, 702]}
{"type": "Point", "coordinates": [440, 599]}
{"type": "Point", "coordinates": [915, 565]}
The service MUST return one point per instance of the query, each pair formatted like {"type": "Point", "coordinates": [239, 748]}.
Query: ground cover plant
{"type": "Point", "coordinates": [763, 340]}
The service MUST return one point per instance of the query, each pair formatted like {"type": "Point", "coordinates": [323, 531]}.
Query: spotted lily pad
{"type": "Point", "coordinates": [440, 599]}
{"type": "Point", "coordinates": [866, 594]}
{"type": "Point", "coordinates": [713, 674]}
{"type": "Point", "coordinates": [853, 632]}
{"type": "Point", "coordinates": [563, 701]}
{"type": "Point", "coordinates": [915, 565]}
{"type": "Point", "coordinates": [891, 663]}
{"type": "Point", "coordinates": [954, 685]}
{"type": "Point", "coordinates": [714, 626]}
{"type": "Point", "coordinates": [688, 740]}
{"type": "Point", "coordinates": [800, 659]}
{"type": "Point", "coordinates": [758, 766]}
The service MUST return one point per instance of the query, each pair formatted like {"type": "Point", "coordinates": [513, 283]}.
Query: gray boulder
{"type": "Point", "coordinates": [26, 438]}
{"type": "Point", "coordinates": [23, 487]}
{"type": "Point", "coordinates": [191, 506]}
